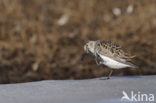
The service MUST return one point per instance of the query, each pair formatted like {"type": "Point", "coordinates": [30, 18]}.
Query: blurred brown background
{"type": "Point", "coordinates": [43, 39]}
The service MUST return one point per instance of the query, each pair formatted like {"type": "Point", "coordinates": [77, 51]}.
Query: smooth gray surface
{"type": "Point", "coordinates": [76, 91]}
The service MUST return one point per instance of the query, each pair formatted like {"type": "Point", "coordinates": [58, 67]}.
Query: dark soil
{"type": "Point", "coordinates": [34, 45]}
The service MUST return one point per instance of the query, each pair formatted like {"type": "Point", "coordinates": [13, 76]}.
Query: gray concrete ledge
{"type": "Point", "coordinates": [77, 91]}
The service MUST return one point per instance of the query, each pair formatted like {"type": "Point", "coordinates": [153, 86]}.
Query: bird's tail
{"type": "Point", "coordinates": [132, 65]}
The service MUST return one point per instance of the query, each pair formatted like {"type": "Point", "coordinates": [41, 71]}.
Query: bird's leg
{"type": "Point", "coordinates": [97, 62]}
{"type": "Point", "coordinates": [97, 59]}
{"type": "Point", "coordinates": [110, 74]}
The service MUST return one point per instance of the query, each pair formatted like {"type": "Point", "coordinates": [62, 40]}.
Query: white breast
{"type": "Point", "coordinates": [113, 63]}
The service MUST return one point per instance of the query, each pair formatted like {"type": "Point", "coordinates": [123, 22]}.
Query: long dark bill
{"type": "Point", "coordinates": [83, 56]}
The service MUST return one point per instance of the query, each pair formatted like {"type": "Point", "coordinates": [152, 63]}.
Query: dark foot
{"type": "Point", "coordinates": [104, 78]}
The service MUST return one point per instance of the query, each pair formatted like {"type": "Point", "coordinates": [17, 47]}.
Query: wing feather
{"type": "Point", "coordinates": [114, 51]}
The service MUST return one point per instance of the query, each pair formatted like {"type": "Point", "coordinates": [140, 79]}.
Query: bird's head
{"type": "Point", "coordinates": [89, 47]}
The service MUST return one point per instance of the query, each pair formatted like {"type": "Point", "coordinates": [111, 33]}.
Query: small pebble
{"type": "Point", "coordinates": [130, 9]}
{"type": "Point", "coordinates": [63, 20]}
{"type": "Point", "coordinates": [116, 11]}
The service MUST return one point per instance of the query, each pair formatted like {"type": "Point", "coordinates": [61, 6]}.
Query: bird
{"type": "Point", "coordinates": [109, 54]}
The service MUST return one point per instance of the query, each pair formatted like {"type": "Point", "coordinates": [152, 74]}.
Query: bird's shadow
{"type": "Point", "coordinates": [121, 77]}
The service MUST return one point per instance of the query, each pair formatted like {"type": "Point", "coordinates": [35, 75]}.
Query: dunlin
{"type": "Point", "coordinates": [109, 54]}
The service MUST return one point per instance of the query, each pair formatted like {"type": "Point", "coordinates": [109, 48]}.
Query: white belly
{"type": "Point", "coordinates": [113, 63]}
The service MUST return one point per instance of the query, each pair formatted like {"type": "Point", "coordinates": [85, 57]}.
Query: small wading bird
{"type": "Point", "coordinates": [109, 54]}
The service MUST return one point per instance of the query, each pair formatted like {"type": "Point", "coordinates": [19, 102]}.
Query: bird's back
{"type": "Point", "coordinates": [114, 52]}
